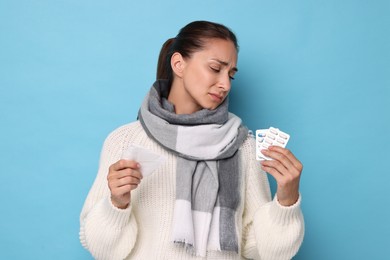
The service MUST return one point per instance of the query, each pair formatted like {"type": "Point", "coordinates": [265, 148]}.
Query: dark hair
{"type": "Point", "coordinates": [191, 38]}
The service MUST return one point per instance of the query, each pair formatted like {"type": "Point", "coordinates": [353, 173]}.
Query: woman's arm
{"type": "Point", "coordinates": [105, 230]}
{"type": "Point", "coordinates": [271, 231]}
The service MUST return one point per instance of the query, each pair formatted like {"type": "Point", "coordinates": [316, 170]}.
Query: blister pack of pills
{"type": "Point", "coordinates": [268, 137]}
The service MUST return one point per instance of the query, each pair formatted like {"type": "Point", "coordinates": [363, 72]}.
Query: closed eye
{"type": "Point", "coordinates": [215, 69]}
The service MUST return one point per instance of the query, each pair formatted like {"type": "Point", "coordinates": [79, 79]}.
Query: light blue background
{"type": "Point", "coordinates": [72, 71]}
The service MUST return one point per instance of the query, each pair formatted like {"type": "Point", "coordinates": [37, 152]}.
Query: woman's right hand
{"type": "Point", "coordinates": [123, 177]}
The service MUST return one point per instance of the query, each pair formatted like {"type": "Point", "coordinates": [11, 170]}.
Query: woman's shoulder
{"type": "Point", "coordinates": [249, 142]}
{"type": "Point", "coordinates": [248, 147]}
{"type": "Point", "coordinates": [124, 131]}
{"type": "Point", "coordinates": [127, 127]}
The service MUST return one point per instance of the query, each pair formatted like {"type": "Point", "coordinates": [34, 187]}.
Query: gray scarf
{"type": "Point", "coordinates": [207, 176]}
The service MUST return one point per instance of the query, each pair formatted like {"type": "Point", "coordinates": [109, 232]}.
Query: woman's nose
{"type": "Point", "coordinates": [225, 82]}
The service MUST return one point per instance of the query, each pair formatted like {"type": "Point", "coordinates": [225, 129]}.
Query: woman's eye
{"type": "Point", "coordinates": [215, 69]}
{"type": "Point", "coordinates": [218, 70]}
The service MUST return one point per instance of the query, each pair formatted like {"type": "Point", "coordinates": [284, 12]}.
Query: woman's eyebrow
{"type": "Point", "coordinates": [225, 64]}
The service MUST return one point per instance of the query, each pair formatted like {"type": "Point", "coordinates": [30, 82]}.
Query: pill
{"type": "Point", "coordinates": [273, 131]}
{"type": "Point", "coordinates": [283, 135]}
{"type": "Point", "coordinates": [280, 141]}
{"type": "Point", "coordinates": [264, 146]}
{"type": "Point", "coordinates": [260, 139]}
{"type": "Point", "coordinates": [268, 141]}
{"type": "Point", "coordinates": [261, 134]}
{"type": "Point", "coordinates": [271, 137]}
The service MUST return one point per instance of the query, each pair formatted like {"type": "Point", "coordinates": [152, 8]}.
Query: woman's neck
{"type": "Point", "coordinates": [181, 99]}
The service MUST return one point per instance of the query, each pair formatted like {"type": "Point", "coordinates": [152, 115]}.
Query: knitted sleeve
{"type": "Point", "coordinates": [270, 230]}
{"type": "Point", "coordinates": [106, 231]}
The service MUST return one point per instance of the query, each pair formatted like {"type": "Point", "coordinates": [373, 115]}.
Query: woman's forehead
{"type": "Point", "coordinates": [219, 50]}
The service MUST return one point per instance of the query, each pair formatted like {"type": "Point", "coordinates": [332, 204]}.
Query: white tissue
{"type": "Point", "coordinates": [148, 160]}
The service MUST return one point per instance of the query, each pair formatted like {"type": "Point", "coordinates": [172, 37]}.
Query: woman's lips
{"type": "Point", "coordinates": [216, 97]}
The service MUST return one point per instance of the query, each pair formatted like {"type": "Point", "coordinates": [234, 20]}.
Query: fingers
{"type": "Point", "coordinates": [288, 154]}
{"type": "Point", "coordinates": [286, 169]}
{"type": "Point", "coordinates": [128, 172]}
{"type": "Point", "coordinates": [122, 164]}
{"type": "Point", "coordinates": [127, 175]}
{"type": "Point", "coordinates": [123, 177]}
{"type": "Point", "coordinates": [281, 162]}
{"type": "Point", "coordinates": [275, 173]}
{"type": "Point", "coordinates": [127, 179]}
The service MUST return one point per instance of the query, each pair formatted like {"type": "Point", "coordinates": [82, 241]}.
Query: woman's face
{"type": "Point", "coordinates": [207, 74]}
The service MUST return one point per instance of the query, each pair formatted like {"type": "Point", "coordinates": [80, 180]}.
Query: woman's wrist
{"type": "Point", "coordinates": [288, 201]}
{"type": "Point", "coordinates": [119, 205]}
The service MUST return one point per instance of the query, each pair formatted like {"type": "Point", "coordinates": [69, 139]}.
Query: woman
{"type": "Point", "coordinates": [210, 198]}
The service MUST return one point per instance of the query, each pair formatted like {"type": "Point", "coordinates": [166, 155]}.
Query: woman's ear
{"type": "Point", "coordinates": [177, 64]}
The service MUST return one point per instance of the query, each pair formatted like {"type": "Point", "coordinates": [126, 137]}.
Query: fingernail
{"type": "Point", "coordinates": [138, 165]}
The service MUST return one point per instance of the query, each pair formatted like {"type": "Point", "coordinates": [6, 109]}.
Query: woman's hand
{"type": "Point", "coordinates": [123, 177]}
{"type": "Point", "coordinates": [286, 169]}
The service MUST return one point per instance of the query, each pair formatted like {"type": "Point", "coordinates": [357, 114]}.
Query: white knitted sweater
{"type": "Point", "coordinates": [266, 229]}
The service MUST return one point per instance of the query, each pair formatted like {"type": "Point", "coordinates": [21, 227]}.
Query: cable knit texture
{"type": "Point", "coordinates": [267, 230]}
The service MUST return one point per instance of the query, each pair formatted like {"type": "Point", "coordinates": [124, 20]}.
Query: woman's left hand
{"type": "Point", "coordinates": [286, 169]}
